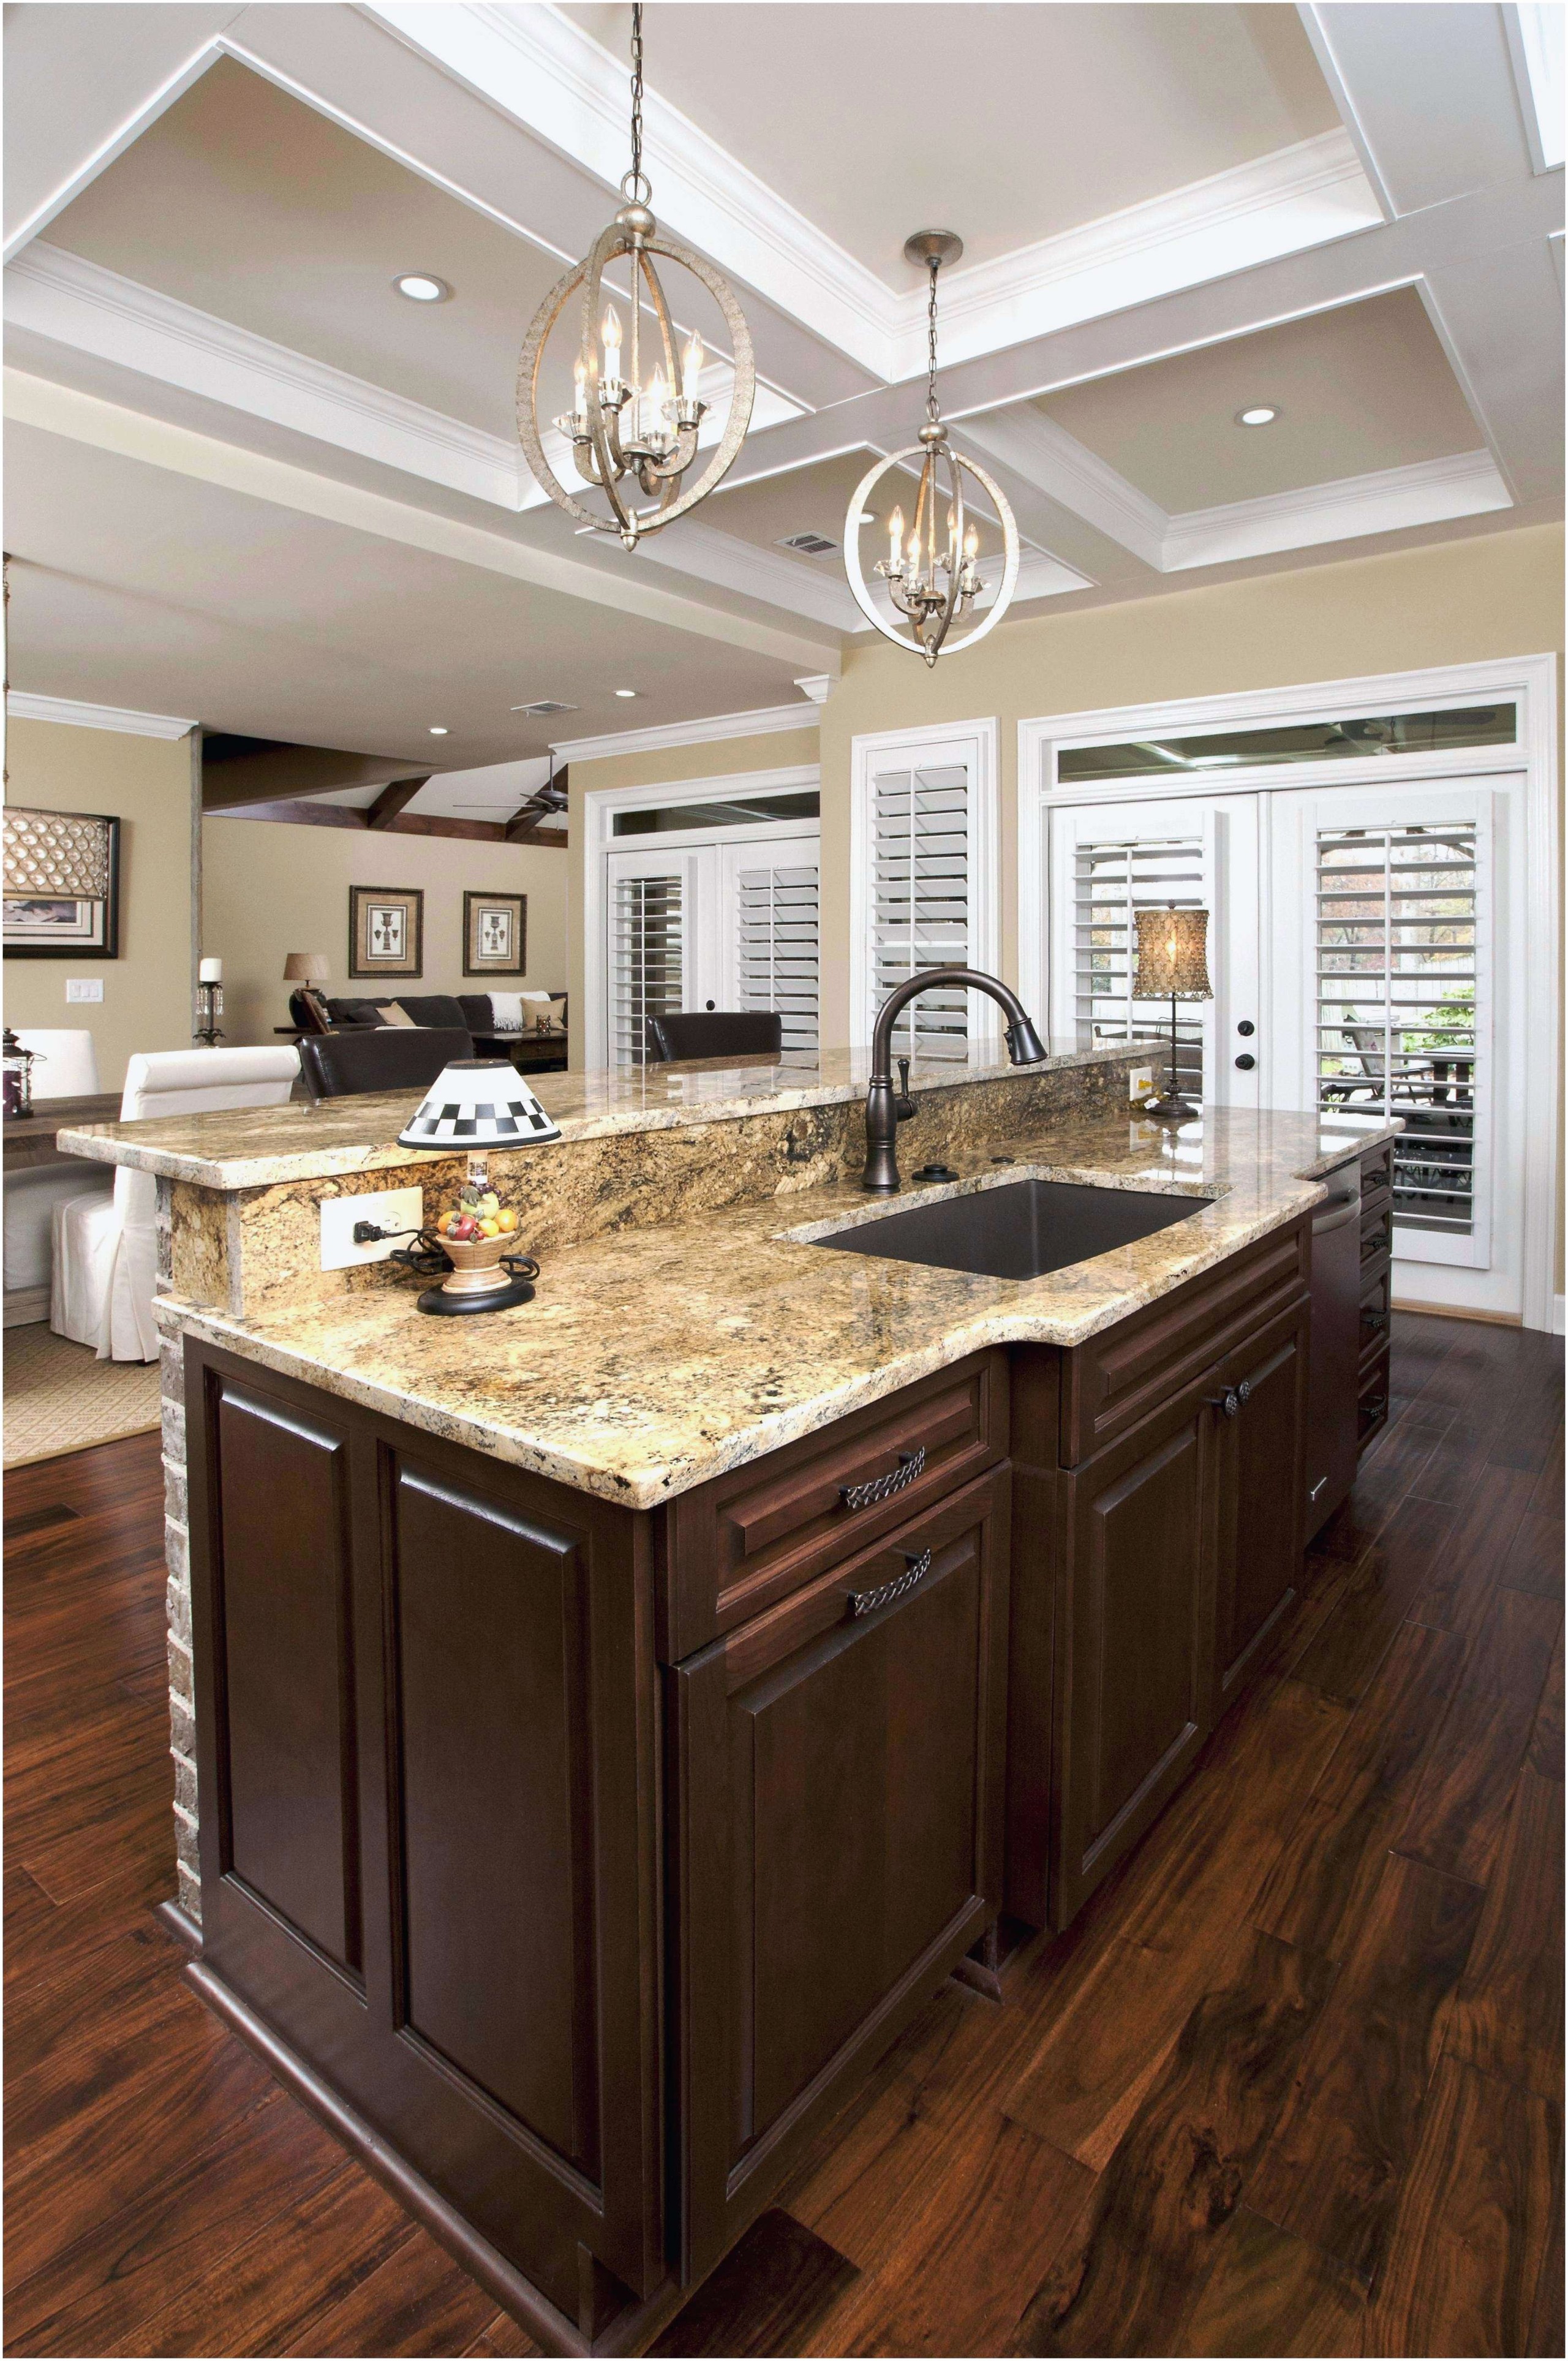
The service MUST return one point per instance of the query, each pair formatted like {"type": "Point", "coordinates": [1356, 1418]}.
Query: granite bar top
{"type": "Point", "coordinates": [653, 1359]}
{"type": "Point", "coordinates": [249, 1148]}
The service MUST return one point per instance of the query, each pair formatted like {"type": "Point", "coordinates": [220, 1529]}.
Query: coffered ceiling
{"type": "Point", "coordinates": [261, 478]}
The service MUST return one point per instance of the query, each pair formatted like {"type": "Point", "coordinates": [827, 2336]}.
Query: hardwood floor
{"type": "Point", "coordinates": [1292, 2084]}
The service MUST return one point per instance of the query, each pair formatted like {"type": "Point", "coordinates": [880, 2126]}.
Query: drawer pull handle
{"type": "Point", "coordinates": [1375, 1319]}
{"type": "Point", "coordinates": [911, 1464]}
{"type": "Point", "coordinates": [1230, 1401]}
{"type": "Point", "coordinates": [866, 1602]}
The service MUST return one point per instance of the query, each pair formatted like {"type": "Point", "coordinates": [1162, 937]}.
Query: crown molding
{"type": "Point", "coordinates": [21, 705]}
{"type": "Point", "coordinates": [710, 555]}
{"type": "Point", "coordinates": [1431, 491]}
{"type": "Point", "coordinates": [1056, 463]}
{"type": "Point", "coordinates": [764, 723]}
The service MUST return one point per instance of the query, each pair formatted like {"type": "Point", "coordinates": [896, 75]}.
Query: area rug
{"type": "Point", "coordinates": [60, 1397]}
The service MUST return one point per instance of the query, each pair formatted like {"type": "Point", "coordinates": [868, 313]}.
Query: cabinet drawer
{"type": "Point", "coordinates": [1372, 1400]}
{"type": "Point", "coordinates": [1376, 1312]}
{"type": "Point", "coordinates": [1144, 1362]}
{"type": "Point", "coordinates": [737, 1545]}
{"type": "Point", "coordinates": [1376, 1177]}
{"type": "Point", "coordinates": [1376, 1234]}
{"type": "Point", "coordinates": [837, 1782]}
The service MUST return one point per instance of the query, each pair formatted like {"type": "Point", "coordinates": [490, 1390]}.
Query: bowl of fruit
{"type": "Point", "coordinates": [475, 1232]}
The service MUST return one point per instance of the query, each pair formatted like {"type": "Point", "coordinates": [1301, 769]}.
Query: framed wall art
{"type": "Point", "coordinates": [386, 931]}
{"type": "Point", "coordinates": [62, 885]}
{"type": "Point", "coordinates": [495, 934]}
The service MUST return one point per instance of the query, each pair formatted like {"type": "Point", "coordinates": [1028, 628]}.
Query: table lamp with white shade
{"type": "Point", "coordinates": [1172, 965]}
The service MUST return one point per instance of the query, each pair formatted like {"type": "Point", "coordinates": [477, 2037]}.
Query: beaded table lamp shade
{"type": "Point", "coordinates": [1173, 965]}
{"type": "Point", "coordinates": [1173, 962]}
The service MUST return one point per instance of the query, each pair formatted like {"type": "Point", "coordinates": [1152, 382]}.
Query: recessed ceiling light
{"type": "Point", "coordinates": [422, 287]}
{"type": "Point", "coordinates": [1263, 413]}
{"type": "Point", "coordinates": [626, 692]}
{"type": "Point", "coordinates": [439, 730]}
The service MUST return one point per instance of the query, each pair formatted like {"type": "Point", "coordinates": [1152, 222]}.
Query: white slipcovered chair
{"type": "Point", "coordinates": [67, 1067]}
{"type": "Point", "coordinates": [105, 1248]}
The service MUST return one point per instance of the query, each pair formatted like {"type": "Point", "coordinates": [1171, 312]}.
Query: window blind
{"type": "Point", "coordinates": [777, 950]}
{"type": "Point", "coordinates": [1396, 978]}
{"type": "Point", "coordinates": [1111, 882]}
{"type": "Point", "coordinates": [921, 900]}
{"type": "Point", "coordinates": [647, 961]}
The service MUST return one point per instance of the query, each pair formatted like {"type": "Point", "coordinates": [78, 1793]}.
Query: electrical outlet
{"type": "Point", "coordinates": [85, 987]}
{"type": "Point", "coordinates": [391, 1209]}
{"type": "Point", "coordinates": [1140, 1083]}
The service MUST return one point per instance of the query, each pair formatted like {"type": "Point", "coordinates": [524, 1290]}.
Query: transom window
{"type": "Point", "coordinates": [1304, 741]}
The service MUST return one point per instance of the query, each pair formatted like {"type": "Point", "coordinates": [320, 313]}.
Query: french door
{"type": "Point", "coordinates": [1108, 862]}
{"type": "Point", "coordinates": [1365, 949]}
{"type": "Point", "coordinates": [731, 924]}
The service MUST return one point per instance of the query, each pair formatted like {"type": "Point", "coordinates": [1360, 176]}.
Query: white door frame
{"type": "Point", "coordinates": [980, 743]}
{"type": "Point", "coordinates": [1528, 681]}
{"type": "Point", "coordinates": [601, 805]}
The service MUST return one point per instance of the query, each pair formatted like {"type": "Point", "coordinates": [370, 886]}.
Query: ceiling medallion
{"type": "Point", "coordinates": [933, 579]}
{"type": "Point", "coordinates": [624, 434]}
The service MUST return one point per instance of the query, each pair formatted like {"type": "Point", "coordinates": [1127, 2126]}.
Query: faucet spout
{"type": "Point", "coordinates": [883, 1109]}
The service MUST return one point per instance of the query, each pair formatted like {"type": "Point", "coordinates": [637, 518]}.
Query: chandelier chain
{"type": "Point", "coordinates": [931, 411]}
{"type": "Point", "coordinates": [636, 184]}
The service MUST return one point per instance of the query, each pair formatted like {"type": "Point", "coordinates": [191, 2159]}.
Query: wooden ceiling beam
{"type": "Point", "coordinates": [281, 774]}
{"type": "Point", "coordinates": [390, 801]}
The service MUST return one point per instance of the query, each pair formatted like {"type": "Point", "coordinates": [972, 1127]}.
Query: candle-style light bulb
{"type": "Point", "coordinates": [914, 553]}
{"type": "Point", "coordinates": [609, 330]}
{"type": "Point", "coordinates": [972, 543]}
{"type": "Point", "coordinates": [655, 406]}
{"type": "Point", "coordinates": [691, 368]}
{"type": "Point", "coordinates": [580, 392]}
{"type": "Point", "coordinates": [895, 539]}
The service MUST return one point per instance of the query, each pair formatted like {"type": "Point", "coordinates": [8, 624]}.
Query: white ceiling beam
{"type": "Point", "coordinates": [61, 410]}
{"type": "Point", "coordinates": [1535, 37]}
{"type": "Point", "coordinates": [1426, 89]}
{"type": "Point", "coordinates": [1058, 464]}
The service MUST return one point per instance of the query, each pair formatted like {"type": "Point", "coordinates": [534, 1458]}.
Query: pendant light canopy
{"type": "Point", "coordinates": [634, 426]}
{"type": "Point", "coordinates": [933, 576]}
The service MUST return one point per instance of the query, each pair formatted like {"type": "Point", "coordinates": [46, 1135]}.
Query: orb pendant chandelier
{"type": "Point", "coordinates": [626, 436]}
{"type": "Point", "coordinates": [933, 576]}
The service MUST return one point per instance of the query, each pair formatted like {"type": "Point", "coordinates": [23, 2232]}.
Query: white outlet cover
{"type": "Point", "coordinates": [85, 987]}
{"type": "Point", "coordinates": [1140, 1082]}
{"type": "Point", "coordinates": [391, 1209]}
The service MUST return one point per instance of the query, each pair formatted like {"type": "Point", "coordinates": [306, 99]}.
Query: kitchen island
{"type": "Point", "coordinates": [613, 1719]}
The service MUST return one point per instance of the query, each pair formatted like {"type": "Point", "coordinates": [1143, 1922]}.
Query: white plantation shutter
{"type": "Point", "coordinates": [776, 950]}
{"type": "Point", "coordinates": [1112, 881]}
{"type": "Point", "coordinates": [922, 895]}
{"type": "Point", "coordinates": [647, 958]}
{"type": "Point", "coordinates": [1398, 1030]}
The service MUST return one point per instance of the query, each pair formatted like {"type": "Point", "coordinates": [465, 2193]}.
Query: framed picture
{"type": "Point", "coordinates": [386, 931]}
{"type": "Point", "coordinates": [495, 934]}
{"type": "Point", "coordinates": [62, 884]}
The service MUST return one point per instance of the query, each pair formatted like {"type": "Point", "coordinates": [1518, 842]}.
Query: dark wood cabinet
{"type": "Point", "coordinates": [1259, 1464]}
{"type": "Point", "coordinates": [839, 1841]}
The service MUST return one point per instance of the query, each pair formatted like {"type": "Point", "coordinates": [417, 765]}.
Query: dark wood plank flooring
{"type": "Point", "coordinates": [1291, 2085]}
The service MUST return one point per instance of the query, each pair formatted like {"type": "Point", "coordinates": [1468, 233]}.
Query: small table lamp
{"type": "Point", "coordinates": [309, 968]}
{"type": "Point", "coordinates": [1172, 965]}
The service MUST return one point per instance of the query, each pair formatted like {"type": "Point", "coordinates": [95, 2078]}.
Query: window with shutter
{"type": "Point", "coordinates": [647, 959]}
{"type": "Point", "coordinates": [1397, 1019]}
{"type": "Point", "coordinates": [1111, 882]}
{"type": "Point", "coordinates": [921, 897]}
{"type": "Point", "coordinates": [777, 948]}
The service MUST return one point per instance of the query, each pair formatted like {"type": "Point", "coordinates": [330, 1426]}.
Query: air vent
{"type": "Point", "coordinates": [810, 545]}
{"type": "Point", "coordinates": [545, 705]}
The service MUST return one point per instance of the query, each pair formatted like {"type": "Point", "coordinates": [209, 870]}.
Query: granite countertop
{"type": "Point", "coordinates": [653, 1359]}
{"type": "Point", "coordinates": [249, 1148]}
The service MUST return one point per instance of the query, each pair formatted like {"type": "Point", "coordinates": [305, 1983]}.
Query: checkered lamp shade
{"type": "Point", "coordinates": [479, 1103]}
{"type": "Point", "coordinates": [1172, 956]}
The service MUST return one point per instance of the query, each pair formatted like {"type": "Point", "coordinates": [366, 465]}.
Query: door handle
{"type": "Point", "coordinates": [1246, 1061]}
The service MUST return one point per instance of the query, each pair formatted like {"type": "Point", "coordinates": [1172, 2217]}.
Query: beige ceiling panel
{"type": "Point", "coordinates": [1059, 114]}
{"type": "Point", "coordinates": [814, 500]}
{"type": "Point", "coordinates": [250, 205]}
{"type": "Point", "coordinates": [1358, 389]}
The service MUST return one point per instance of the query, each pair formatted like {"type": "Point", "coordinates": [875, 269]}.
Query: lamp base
{"type": "Point", "coordinates": [448, 1304]}
{"type": "Point", "coordinates": [1169, 1110]}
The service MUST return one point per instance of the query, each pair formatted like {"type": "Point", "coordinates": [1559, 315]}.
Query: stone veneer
{"type": "Point", "coordinates": [256, 1250]}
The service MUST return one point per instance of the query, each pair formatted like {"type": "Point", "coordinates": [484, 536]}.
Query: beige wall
{"type": "Point", "coordinates": [147, 782]}
{"type": "Point", "coordinates": [271, 887]}
{"type": "Point", "coordinates": [724, 758]}
{"type": "Point", "coordinates": [1456, 602]}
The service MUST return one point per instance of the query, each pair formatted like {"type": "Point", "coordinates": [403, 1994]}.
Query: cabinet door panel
{"type": "Point", "coordinates": [1133, 1659]}
{"type": "Point", "coordinates": [493, 1793]}
{"type": "Point", "coordinates": [1261, 1456]}
{"type": "Point", "coordinates": [839, 1849]}
{"type": "Point", "coordinates": [288, 1769]}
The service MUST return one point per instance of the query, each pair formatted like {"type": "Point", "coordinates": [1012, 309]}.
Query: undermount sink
{"type": "Point", "coordinates": [1020, 1230]}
